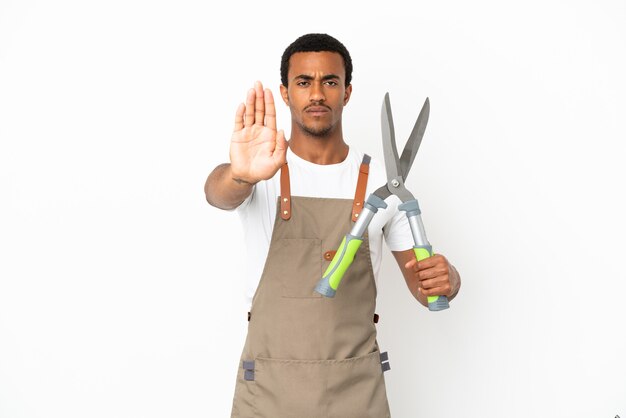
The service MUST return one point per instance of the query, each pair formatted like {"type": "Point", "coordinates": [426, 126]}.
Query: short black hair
{"type": "Point", "coordinates": [315, 42]}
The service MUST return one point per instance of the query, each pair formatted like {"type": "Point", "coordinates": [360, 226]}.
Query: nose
{"type": "Point", "coordinates": [317, 92]}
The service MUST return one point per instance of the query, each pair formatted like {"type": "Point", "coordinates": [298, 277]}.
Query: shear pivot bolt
{"type": "Point", "coordinates": [395, 183]}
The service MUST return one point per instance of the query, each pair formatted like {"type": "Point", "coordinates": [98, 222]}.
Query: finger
{"type": "Point", "coordinates": [249, 120]}
{"type": "Point", "coordinates": [259, 112]}
{"type": "Point", "coordinates": [411, 265]}
{"type": "Point", "coordinates": [433, 261]}
{"type": "Point", "coordinates": [239, 117]}
{"type": "Point", "coordinates": [428, 262]}
{"type": "Point", "coordinates": [437, 291]}
{"type": "Point", "coordinates": [431, 273]}
{"type": "Point", "coordinates": [270, 110]}
{"type": "Point", "coordinates": [433, 283]}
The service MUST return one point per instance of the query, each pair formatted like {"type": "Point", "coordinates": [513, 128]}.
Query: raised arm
{"type": "Point", "coordinates": [257, 151]}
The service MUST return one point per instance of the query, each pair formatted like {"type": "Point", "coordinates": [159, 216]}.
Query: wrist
{"type": "Point", "coordinates": [241, 181]}
{"type": "Point", "coordinates": [241, 178]}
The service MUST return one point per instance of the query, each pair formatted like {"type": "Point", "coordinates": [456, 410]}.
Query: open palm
{"type": "Point", "coordinates": [257, 150]}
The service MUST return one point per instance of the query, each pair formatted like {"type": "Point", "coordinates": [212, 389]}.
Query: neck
{"type": "Point", "coordinates": [319, 150]}
{"type": "Point", "coordinates": [322, 150]}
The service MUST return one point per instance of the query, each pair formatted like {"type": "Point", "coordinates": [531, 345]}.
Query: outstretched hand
{"type": "Point", "coordinates": [257, 150]}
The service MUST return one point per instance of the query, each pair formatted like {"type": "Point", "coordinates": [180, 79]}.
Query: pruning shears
{"type": "Point", "coordinates": [397, 171]}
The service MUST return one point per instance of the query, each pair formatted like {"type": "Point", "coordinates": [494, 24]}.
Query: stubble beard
{"type": "Point", "coordinates": [323, 132]}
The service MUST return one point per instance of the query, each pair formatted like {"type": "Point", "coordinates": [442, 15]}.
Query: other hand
{"type": "Point", "coordinates": [435, 276]}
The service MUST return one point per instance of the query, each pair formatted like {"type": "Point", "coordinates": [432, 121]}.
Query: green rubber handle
{"type": "Point", "coordinates": [435, 303]}
{"type": "Point", "coordinates": [343, 258]}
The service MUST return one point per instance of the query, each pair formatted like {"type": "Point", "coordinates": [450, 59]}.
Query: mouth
{"type": "Point", "coordinates": [317, 110]}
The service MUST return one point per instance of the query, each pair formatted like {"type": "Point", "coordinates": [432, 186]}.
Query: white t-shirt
{"type": "Point", "coordinates": [258, 211]}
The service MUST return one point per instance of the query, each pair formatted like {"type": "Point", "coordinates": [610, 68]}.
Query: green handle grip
{"type": "Point", "coordinates": [343, 258]}
{"type": "Point", "coordinates": [435, 303]}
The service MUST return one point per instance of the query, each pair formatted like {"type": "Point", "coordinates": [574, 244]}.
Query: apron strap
{"type": "Point", "coordinates": [361, 185]}
{"type": "Point", "coordinates": [285, 193]}
{"type": "Point", "coordinates": [359, 195]}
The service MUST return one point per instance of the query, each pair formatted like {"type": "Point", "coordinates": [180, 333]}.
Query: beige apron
{"type": "Point", "coordinates": [307, 356]}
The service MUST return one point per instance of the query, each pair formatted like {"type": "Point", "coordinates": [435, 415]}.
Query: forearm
{"type": "Point", "coordinates": [224, 191]}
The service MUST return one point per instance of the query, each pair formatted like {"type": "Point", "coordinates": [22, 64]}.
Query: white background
{"type": "Point", "coordinates": [121, 289]}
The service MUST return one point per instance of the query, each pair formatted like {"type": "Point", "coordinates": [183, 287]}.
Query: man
{"type": "Point", "coordinates": [307, 355]}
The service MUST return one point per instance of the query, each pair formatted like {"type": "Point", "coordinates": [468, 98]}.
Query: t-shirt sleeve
{"type": "Point", "coordinates": [246, 203]}
{"type": "Point", "coordinates": [397, 232]}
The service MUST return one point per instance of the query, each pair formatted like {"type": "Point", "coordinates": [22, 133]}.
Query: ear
{"type": "Point", "coordinates": [346, 96]}
{"type": "Point", "coordinates": [285, 94]}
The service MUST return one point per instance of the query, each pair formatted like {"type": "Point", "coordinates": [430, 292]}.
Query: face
{"type": "Point", "coordinates": [316, 93]}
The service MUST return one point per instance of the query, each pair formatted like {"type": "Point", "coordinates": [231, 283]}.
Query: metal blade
{"type": "Point", "coordinates": [414, 141]}
{"type": "Point", "coordinates": [383, 192]}
{"type": "Point", "coordinates": [390, 150]}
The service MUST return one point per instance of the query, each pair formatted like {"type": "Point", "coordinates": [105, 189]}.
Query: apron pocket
{"type": "Point", "coordinates": [358, 389]}
{"type": "Point", "coordinates": [350, 388]}
{"type": "Point", "coordinates": [301, 268]}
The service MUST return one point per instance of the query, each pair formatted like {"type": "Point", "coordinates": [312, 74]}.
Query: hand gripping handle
{"type": "Point", "coordinates": [435, 303]}
{"type": "Point", "coordinates": [422, 247]}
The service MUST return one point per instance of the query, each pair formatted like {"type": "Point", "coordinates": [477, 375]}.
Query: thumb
{"type": "Point", "coordinates": [280, 151]}
{"type": "Point", "coordinates": [412, 264]}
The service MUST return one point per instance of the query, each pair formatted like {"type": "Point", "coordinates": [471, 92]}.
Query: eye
{"type": "Point", "coordinates": [302, 83]}
{"type": "Point", "coordinates": [331, 83]}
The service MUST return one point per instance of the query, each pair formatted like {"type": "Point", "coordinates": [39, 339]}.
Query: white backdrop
{"type": "Point", "coordinates": [121, 289]}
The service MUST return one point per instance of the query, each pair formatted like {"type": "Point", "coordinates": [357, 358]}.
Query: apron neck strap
{"type": "Point", "coordinates": [359, 195]}
{"type": "Point", "coordinates": [285, 193]}
{"type": "Point", "coordinates": [361, 185]}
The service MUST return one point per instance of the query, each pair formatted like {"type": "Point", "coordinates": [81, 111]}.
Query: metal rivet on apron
{"type": "Point", "coordinates": [356, 215]}
{"type": "Point", "coordinates": [286, 212]}
{"type": "Point", "coordinates": [358, 203]}
{"type": "Point", "coordinates": [285, 199]}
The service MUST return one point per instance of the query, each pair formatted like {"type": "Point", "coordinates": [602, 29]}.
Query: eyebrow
{"type": "Point", "coordinates": [324, 78]}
